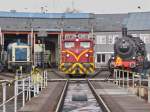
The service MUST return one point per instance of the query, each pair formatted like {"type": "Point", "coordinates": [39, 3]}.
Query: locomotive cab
{"type": "Point", "coordinates": [19, 55]}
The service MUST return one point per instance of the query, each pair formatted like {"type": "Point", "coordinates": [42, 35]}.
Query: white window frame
{"type": "Point", "coordinates": [99, 39]}
{"type": "Point", "coordinates": [113, 37]}
{"type": "Point", "coordinates": [14, 56]}
{"type": "Point", "coordinates": [110, 39]}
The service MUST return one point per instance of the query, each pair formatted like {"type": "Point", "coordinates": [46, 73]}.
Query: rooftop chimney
{"type": "Point", "coordinates": [12, 11]}
{"type": "Point", "coordinates": [124, 31]}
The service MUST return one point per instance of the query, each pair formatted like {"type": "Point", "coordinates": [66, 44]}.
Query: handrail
{"type": "Point", "coordinates": [132, 79]}
{"type": "Point", "coordinates": [27, 83]}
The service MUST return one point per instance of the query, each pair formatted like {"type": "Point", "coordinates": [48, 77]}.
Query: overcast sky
{"type": "Point", "coordinates": [94, 6]}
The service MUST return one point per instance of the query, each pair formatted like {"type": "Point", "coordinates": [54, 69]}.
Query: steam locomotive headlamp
{"type": "Point", "coordinates": [67, 55]}
{"type": "Point", "coordinates": [113, 57]}
{"type": "Point", "coordinates": [133, 57]}
{"type": "Point", "coordinates": [77, 39]}
{"type": "Point", "coordinates": [86, 55]}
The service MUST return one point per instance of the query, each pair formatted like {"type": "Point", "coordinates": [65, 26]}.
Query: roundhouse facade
{"type": "Point", "coordinates": [49, 28]}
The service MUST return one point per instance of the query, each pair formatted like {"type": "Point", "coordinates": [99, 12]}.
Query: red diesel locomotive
{"type": "Point", "coordinates": [77, 56]}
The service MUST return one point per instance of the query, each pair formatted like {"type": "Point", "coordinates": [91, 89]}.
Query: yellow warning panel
{"type": "Point", "coordinates": [118, 61]}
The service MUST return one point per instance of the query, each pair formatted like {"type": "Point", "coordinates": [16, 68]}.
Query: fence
{"type": "Point", "coordinates": [25, 86]}
{"type": "Point", "coordinates": [128, 79]}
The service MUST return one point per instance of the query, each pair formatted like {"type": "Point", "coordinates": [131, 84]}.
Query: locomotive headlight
{"type": "Point", "coordinates": [133, 57]}
{"type": "Point", "coordinates": [77, 39]}
{"type": "Point", "coordinates": [67, 55]}
{"type": "Point", "coordinates": [86, 55]}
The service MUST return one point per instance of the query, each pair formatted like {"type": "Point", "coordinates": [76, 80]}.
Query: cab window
{"type": "Point", "coordinates": [69, 44]}
{"type": "Point", "coordinates": [85, 44]}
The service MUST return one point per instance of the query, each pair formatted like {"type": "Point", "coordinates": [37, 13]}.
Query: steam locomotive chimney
{"type": "Point", "coordinates": [124, 31]}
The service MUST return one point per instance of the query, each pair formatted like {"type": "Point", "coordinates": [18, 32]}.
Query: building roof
{"type": "Point", "coordinates": [109, 22]}
{"type": "Point", "coordinates": [138, 21]}
{"type": "Point", "coordinates": [14, 14]}
{"type": "Point", "coordinates": [22, 21]}
{"type": "Point", "coordinates": [25, 24]}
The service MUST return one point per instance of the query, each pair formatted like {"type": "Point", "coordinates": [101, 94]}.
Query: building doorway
{"type": "Point", "coordinates": [51, 51]}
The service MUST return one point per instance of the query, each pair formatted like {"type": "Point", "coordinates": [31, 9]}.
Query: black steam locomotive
{"type": "Point", "coordinates": [129, 54]}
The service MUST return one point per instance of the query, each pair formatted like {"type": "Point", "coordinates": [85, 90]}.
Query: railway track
{"type": "Point", "coordinates": [55, 74]}
{"type": "Point", "coordinates": [80, 95]}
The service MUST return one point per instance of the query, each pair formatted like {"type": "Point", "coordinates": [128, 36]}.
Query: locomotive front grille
{"type": "Point", "coordinates": [77, 68]}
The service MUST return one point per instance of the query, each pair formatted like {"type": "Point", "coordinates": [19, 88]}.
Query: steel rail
{"type": "Point", "coordinates": [101, 102]}
{"type": "Point", "coordinates": [81, 79]}
{"type": "Point", "coordinates": [60, 103]}
{"type": "Point", "coordinates": [55, 80]}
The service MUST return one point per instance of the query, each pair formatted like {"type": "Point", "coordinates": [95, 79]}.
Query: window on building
{"type": "Point", "coordinates": [101, 39]}
{"type": "Point", "coordinates": [115, 38]}
{"type": "Point", "coordinates": [145, 38]}
{"type": "Point", "coordinates": [100, 58]}
{"type": "Point", "coordinates": [148, 57]}
{"type": "Point", "coordinates": [112, 38]}
{"type": "Point", "coordinates": [142, 36]}
{"type": "Point", "coordinates": [103, 57]}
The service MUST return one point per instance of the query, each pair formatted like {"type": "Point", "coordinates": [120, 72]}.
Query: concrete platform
{"type": "Point", "coordinates": [119, 99]}
{"type": "Point", "coordinates": [7, 76]}
{"type": "Point", "coordinates": [46, 100]}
